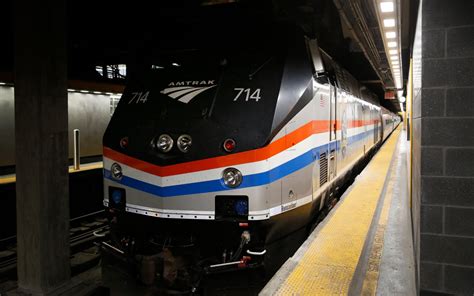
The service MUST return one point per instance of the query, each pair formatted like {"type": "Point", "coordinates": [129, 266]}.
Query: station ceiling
{"type": "Point", "coordinates": [106, 32]}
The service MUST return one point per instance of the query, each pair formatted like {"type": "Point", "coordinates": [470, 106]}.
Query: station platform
{"type": "Point", "coordinates": [11, 178]}
{"type": "Point", "coordinates": [364, 246]}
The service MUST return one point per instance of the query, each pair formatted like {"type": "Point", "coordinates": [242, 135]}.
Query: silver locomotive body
{"type": "Point", "coordinates": [298, 134]}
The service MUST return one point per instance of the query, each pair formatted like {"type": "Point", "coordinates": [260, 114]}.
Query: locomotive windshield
{"type": "Point", "coordinates": [198, 85]}
{"type": "Point", "coordinates": [234, 85]}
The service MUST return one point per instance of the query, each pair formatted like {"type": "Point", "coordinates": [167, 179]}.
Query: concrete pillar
{"type": "Point", "coordinates": [443, 144]}
{"type": "Point", "coordinates": [41, 123]}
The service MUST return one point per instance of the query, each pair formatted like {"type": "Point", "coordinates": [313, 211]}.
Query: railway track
{"type": "Point", "coordinates": [84, 232]}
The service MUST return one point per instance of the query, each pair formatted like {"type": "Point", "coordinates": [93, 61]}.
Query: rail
{"type": "Point", "coordinates": [82, 229]}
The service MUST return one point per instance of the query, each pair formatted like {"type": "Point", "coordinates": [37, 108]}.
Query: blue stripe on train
{"type": "Point", "coordinates": [259, 179]}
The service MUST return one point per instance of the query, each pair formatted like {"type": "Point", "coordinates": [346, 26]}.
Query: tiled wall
{"type": "Point", "coordinates": [443, 145]}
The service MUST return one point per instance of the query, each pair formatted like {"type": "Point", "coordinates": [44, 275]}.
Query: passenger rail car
{"type": "Point", "coordinates": [234, 153]}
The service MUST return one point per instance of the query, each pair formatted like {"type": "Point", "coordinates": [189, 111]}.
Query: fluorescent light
{"type": "Point", "coordinates": [390, 35]}
{"type": "Point", "coordinates": [392, 44]}
{"type": "Point", "coordinates": [386, 6]}
{"type": "Point", "coordinates": [395, 63]}
{"type": "Point", "coordinates": [394, 57]}
{"type": "Point", "coordinates": [388, 23]}
{"type": "Point", "coordinates": [393, 51]}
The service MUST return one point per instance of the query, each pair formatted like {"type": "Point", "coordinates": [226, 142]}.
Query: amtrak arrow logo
{"type": "Point", "coordinates": [185, 91]}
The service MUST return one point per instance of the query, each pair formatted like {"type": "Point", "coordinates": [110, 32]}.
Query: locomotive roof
{"type": "Point", "coordinates": [346, 81]}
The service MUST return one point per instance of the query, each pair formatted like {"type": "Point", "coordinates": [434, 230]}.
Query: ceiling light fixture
{"type": "Point", "coordinates": [388, 23]}
{"type": "Point", "coordinates": [386, 6]}
{"type": "Point", "coordinates": [392, 44]}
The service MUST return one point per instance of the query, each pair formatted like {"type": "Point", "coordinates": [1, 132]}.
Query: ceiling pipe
{"type": "Point", "coordinates": [364, 39]}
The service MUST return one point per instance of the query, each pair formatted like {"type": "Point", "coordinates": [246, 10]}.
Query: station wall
{"type": "Point", "coordinates": [443, 144]}
{"type": "Point", "coordinates": [89, 111]}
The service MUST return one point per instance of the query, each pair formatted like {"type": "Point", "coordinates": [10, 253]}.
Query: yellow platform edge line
{"type": "Point", "coordinates": [84, 167]}
{"type": "Point", "coordinates": [369, 286]}
{"type": "Point", "coordinates": [328, 265]}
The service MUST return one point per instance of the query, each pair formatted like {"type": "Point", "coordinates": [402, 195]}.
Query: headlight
{"type": "Point", "coordinates": [184, 143]}
{"type": "Point", "coordinates": [232, 177]}
{"type": "Point", "coordinates": [164, 143]}
{"type": "Point", "coordinates": [116, 171]}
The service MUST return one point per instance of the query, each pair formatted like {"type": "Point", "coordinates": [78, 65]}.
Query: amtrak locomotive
{"type": "Point", "coordinates": [215, 156]}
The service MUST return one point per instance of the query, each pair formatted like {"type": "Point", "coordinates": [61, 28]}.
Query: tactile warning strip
{"type": "Point", "coordinates": [330, 261]}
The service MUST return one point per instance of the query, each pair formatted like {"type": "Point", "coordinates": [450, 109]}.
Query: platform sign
{"type": "Point", "coordinates": [390, 95]}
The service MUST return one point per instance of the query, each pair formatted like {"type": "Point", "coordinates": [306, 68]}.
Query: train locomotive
{"type": "Point", "coordinates": [214, 157]}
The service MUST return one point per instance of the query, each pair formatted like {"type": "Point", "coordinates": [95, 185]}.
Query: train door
{"type": "Point", "coordinates": [322, 112]}
{"type": "Point", "coordinates": [376, 126]}
{"type": "Point", "coordinates": [380, 125]}
{"type": "Point", "coordinates": [333, 126]}
{"type": "Point", "coordinates": [365, 119]}
{"type": "Point", "coordinates": [298, 184]}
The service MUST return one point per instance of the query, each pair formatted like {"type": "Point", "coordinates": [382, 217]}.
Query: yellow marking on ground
{"type": "Point", "coordinates": [7, 179]}
{"type": "Point", "coordinates": [87, 167]}
{"type": "Point", "coordinates": [369, 286]}
{"type": "Point", "coordinates": [84, 167]}
{"type": "Point", "coordinates": [329, 264]}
